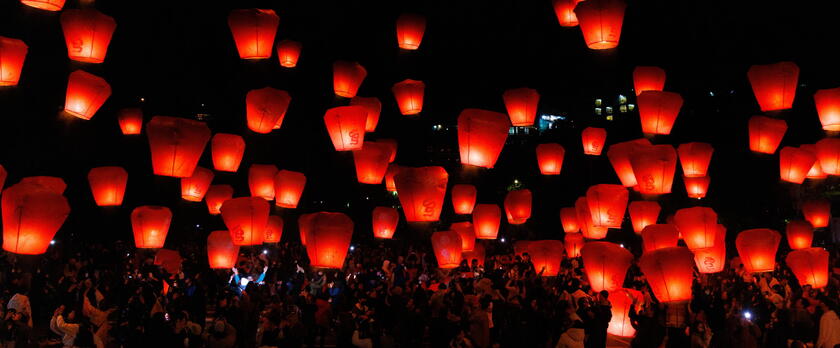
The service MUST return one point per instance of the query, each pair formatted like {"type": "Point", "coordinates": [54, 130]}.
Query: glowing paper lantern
{"type": "Point", "coordinates": [421, 191]}
{"type": "Point", "coordinates": [107, 185]}
{"type": "Point", "coordinates": [696, 187]}
{"type": "Point", "coordinates": [810, 266]}
{"type": "Point", "coordinates": [569, 220]}
{"type": "Point", "coordinates": [392, 171]}
{"type": "Point", "coordinates": [227, 151]}
{"type": "Point", "coordinates": [550, 158]}
{"type": "Point", "coordinates": [150, 225]}
{"type": "Point", "coordinates": [795, 163]}
{"type": "Point", "coordinates": [828, 107]}
{"type": "Point", "coordinates": [521, 104]}
{"type": "Point", "coordinates": [346, 126]}
{"type": "Point", "coordinates": [467, 232]}
{"type": "Point", "coordinates": [49, 5]}
{"type": "Point", "coordinates": [385, 221]}
{"type": "Point", "coordinates": [574, 242]}
{"type": "Point", "coordinates": [87, 33]}
{"type": "Point", "coordinates": [481, 136]}
{"type": "Point", "coordinates": [347, 77]}
{"type": "Point", "coordinates": [3, 175]}
{"type": "Point", "coordinates": [221, 253]}
{"type": "Point", "coordinates": [698, 227]}
{"type": "Point", "coordinates": [169, 260]}
{"type": "Point", "coordinates": [619, 156]}
{"type": "Point", "coordinates": [774, 85]}
{"type": "Point", "coordinates": [273, 229]}
{"type": "Point", "coordinates": [605, 265]}
{"type": "Point", "coordinates": [654, 167]}
{"type": "Point", "coordinates": [587, 227]}
{"type": "Point", "coordinates": [288, 52]}
{"type": "Point", "coordinates": [463, 198]}
{"type": "Point", "coordinates": [12, 56]}
{"type": "Point", "coordinates": [477, 254]}
{"type": "Point", "coordinates": [246, 219]}
{"type": "Point", "coordinates": [371, 162]}
{"type": "Point", "coordinates": [195, 187]}
{"type": "Point", "coordinates": [85, 94]}
{"type": "Point", "coordinates": [447, 247]}
{"type": "Point", "coordinates": [546, 256]}
{"type": "Point", "coordinates": [130, 120]}
{"type": "Point", "coordinates": [521, 247]}
{"type": "Point", "coordinates": [828, 153]}
{"type": "Point", "coordinates": [620, 302]}
{"type": "Point", "coordinates": [669, 272]}
{"type": "Point", "coordinates": [265, 108]}
{"type": "Point", "coordinates": [328, 239]}
{"type": "Point", "coordinates": [695, 158]}
{"type": "Point", "coordinates": [253, 31]}
{"type": "Point", "coordinates": [607, 204]}
{"type": "Point", "coordinates": [816, 171]}
{"type": "Point", "coordinates": [658, 110]}
{"type": "Point", "coordinates": [486, 219]}
{"type": "Point", "coordinates": [712, 260]}
{"type": "Point", "coordinates": [410, 29]}
{"type": "Point", "coordinates": [304, 225]}
{"type": "Point", "coordinates": [409, 96]}
{"type": "Point", "coordinates": [288, 187]}
{"type": "Point", "coordinates": [50, 183]}
{"type": "Point", "coordinates": [261, 180]}
{"type": "Point", "coordinates": [518, 206]}
{"type": "Point", "coordinates": [593, 140]}
{"type": "Point", "coordinates": [216, 195]}
{"type": "Point", "coordinates": [757, 249]}
{"type": "Point", "coordinates": [766, 134]}
{"type": "Point", "coordinates": [600, 21]}
{"type": "Point", "coordinates": [659, 236]}
{"type": "Point", "coordinates": [373, 107]}
{"type": "Point", "coordinates": [648, 78]}
{"type": "Point", "coordinates": [565, 11]}
{"type": "Point", "coordinates": [800, 234]}
{"type": "Point", "coordinates": [176, 145]}
{"type": "Point", "coordinates": [32, 215]}
{"type": "Point", "coordinates": [817, 212]}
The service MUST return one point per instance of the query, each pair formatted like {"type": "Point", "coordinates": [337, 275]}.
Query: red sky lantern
{"type": "Point", "coordinates": [12, 56]}
{"type": "Point", "coordinates": [227, 150]}
{"type": "Point", "coordinates": [169, 260]}
{"type": "Point", "coordinates": [195, 187]}
{"type": "Point", "coordinates": [216, 195]}
{"type": "Point", "coordinates": [659, 236]}
{"type": "Point", "coordinates": [648, 78]}
{"type": "Point", "coordinates": [654, 167]}
{"type": "Point", "coordinates": [565, 11]}
{"type": "Point", "coordinates": [3, 175]}
{"type": "Point", "coordinates": [346, 126]}
{"type": "Point", "coordinates": [574, 242]}
{"type": "Point", "coordinates": [392, 144]}
{"type": "Point", "coordinates": [605, 265]}
{"type": "Point", "coordinates": [409, 96]}
{"type": "Point", "coordinates": [347, 77]}
{"type": "Point", "coordinates": [50, 183]}
{"type": "Point", "coordinates": [658, 110]}
{"type": "Point", "coordinates": [392, 171]}
{"type": "Point", "coordinates": [669, 272]}
{"type": "Point", "coordinates": [481, 136]}
{"type": "Point", "coordinates": [800, 234]}
{"type": "Point", "coordinates": [447, 247]}
{"type": "Point", "coordinates": [521, 247]}
{"type": "Point", "coordinates": [130, 120]}
{"type": "Point", "coordinates": [421, 191]}
{"type": "Point", "coordinates": [757, 249]}
{"type": "Point", "coordinates": [273, 229]}
{"type": "Point", "coordinates": [371, 162]}
{"type": "Point", "coordinates": [150, 225]}
{"type": "Point", "coordinates": [593, 140]}
{"type": "Point", "coordinates": [620, 302]}
{"type": "Point", "coordinates": [85, 94]}
{"type": "Point", "coordinates": [410, 29]}
{"type": "Point", "coordinates": [253, 31]}
{"type": "Point", "coordinates": [221, 253]}
{"type": "Point", "coordinates": [828, 107]}
{"type": "Point", "coordinates": [288, 187]}
{"type": "Point", "coordinates": [712, 260]}
{"type": "Point", "coordinates": [467, 232]}
{"type": "Point", "coordinates": [828, 153]}
{"type": "Point", "coordinates": [550, 158]}
{"type": "Point", "coordinates": [695, 158]}
{"type": "Point", "coordinates": [587, 227]}
{"type": "Point", "coordinates": [795, 163]}
{"type": "Point", "coordinates": [816, 172]}
{"type": "Point", "coordinates": [477, 254]}
{"type": "Point", "coordinates": [328, 239]}
{"type": "Point", "coordinates": [810, 266]}
{"type": "Point", "coordinates": [32, 215]}
{"type": "Point", "coordinates": [521, 104]}
{"type": "Point", "coordinates": [246, 219]}
{"type": "Point", "coordinates": [176, 145]}
{"type": "Point", "coordinates": [304, 225]}
{"type": "Point", "coordinates": [698, 226]}
{"type": "Point", "coordinates": [545, 255]}
{"type": "Point", "coordinates": [607, 204]}
{"type": "Point", "coordinates": [87, 33]}
{"type": "Point", "coordinates": [696, 187]}
{"type": "Point", "coordinates": [49, 5]}
{"type": "Point", "coordinates": [288, 52]}
{"type": "Point", "coordinates": [463, 198]}
{"type": "Point", "coordinates": [486, 219]}
{"type": "Point", "coordinates": [385, 221]}
{"type": "Point", "coordinates": [569, 220]}
{"type": "Point", "coordinates": [261, 180]}
{"type": "Point", "coordinates": [265, 108]}
{"type": "Point", "coordinates": [107, 185]}
{"type": "Point", "coordinates": [518, 206]}
{"type": "Point", "coordinates": [774, 85]}
{"type": "Point", "coordinates": [766, 134]}
{"type": "Point", "coordinates": [600, 21]}
{"type": "Point", "coordinates": [619, 156]}
{"type": "Point", "coordinates": [817, 212]}
{"type": "Point", "coordinates": [373, 107]}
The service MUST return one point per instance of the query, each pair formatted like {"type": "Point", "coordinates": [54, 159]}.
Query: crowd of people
{"type": "Point", "coordinates": [394, 296]}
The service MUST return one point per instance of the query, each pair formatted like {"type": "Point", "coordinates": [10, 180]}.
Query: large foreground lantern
{"type": "Point", "coordinates": [409, 96]}
{"type": "Point", "coordinates": [828, 153]}
{"type": "Point", "coordinates": [605, 265]}
{"type": "Point", "coordinates": [385, 221]}
{"type": "Point", "coordinates": [447, 247]}
{"type": "Point", "coordinates": [130, 120]}
{"type": "Point", "coordinates": [49, 5]}
{"type": "Point", "coordinates": [774, 85]}
{"type": "Point", "coordinates": [261, 180]}
{"type": "Point", "coordinates": [810, 266]}
{"type": "Point", "coordinates": [390, 184]}
{"type": "Point", "coordinates": [799, 233]}
{"type": "Point", "coordinates": [712, 259]}
{"type": "Point", "coordinates": [288, 187]}
{"type": "Point", "coordinates": [273, 229]}
{"type": "Point", "coordinates": [574, 242]}
{"type": "Point", "coordinates": [521, 104]}
{"type": "Point", "coordinates": [328, 239]}
{"type": "Point", "coordinates": [518, 206]}
{"type": "Point", "coordinates": [246, 219]}
{"type": "Point", "coordinates": [195, 187]}
{"type": "Point", "coordinates": [546, 256]}
{"type": "Point", "coordinates": [463, 198]}
{"type": "Point", "coordinates": [371, 162]}
{"type": "Point", "coordinates": [304, 225]}
{"type": "Point", "coordinates": [347, 77]}
{"type": "Point", "coordinates": [176, 145]}
{"type": "Point", "coordinates": [766, 134]}
{"type": "Point", "coordinates": [757, 249]}
{"type": "Point", "coordinates": [216, 195]}
{"type": "Point", "coordinates": [86, 93]}
{"type": "Point", "coordinates": [696, 187]}
{"type": "Point", "coordinates": [265, 109]}
{"type": "Point", "coordinates": [619, 156]}
{"type": "Point", "coordinates": [87, 33]}
{"type": "Point", "coordinates": [107, 185]}
{"type": "Point", "coordinates": [569, 220]}
{"type": "Point", "coordinates": [659, 236]}
{"type": "Point", "coordinates": [658, 110]}
{"type": "Point", "coordinates": [607, 204]}
{"type": "Point", "coordinates": [698, 227]}
{"type": "Point", "coordinates": [816, 172]}
{"type": "Point", "coordinates": [828, 108]}
{"type": "Point", "coordinates": [593, 140]}
{"type": "Point", "coordinates": [253, 31]}
{"type": "Point", "coordinates": [410, 29]}
{"type": "Point", "coordinates": [695, 158]}
{"type": "Point", "coordinates": [169, 260]}
{"type": "Point", "coordinates": [620, 302]}
{"type": "Point", "coordinates": [373, 107]}
{"type": "Point", "coordinates": [12, 56]}
{"type": "Point", "coordinates": [654, 167]}
{"type": "Point", "coordinates": [587, 227]}
{"type": "Point", "coordinates": [51, 183]}
{"type": "Point", "coordinates": [550, 158]}
{"type": "Point", "coordinates": [150, 225]}
{"type": "Point", "coordinates": [481, 136]}
{"type": "Point", "coordinates": [795, 163]}
{"type": "Point", "coordinates": [421, 191]}
{"type": "Point", "coordinates": [600, 21]}
{"type": "Point", "coordinates": [565, 11]}
{"type": "Point", "coordinates": [32, 215]}
{"type": "Point", "coordinates": [486, 219]}
{"type": "Point", "coordinates": [817, 212]}
{"type": "Point", "coordinates": [221, 252]}
{"type": "Point", "coordinates": [669, 272]}
{"type": "Point", "coordinates": [346, 126]}
{"type": "Point", "coordinates": [642, 214]}
{"type": "Point", "coordinates": [467, 232]}
{"type": "Point", "coordinates": [227, 150]}
{"type": "Point", "coordinates": [288, 52]}
{"type": "Point", "coordinates": [648, 78]}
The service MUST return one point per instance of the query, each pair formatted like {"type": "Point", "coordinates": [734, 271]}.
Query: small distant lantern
{"type": "Point", "coordinates": [265, 109]}
{"type": "Point", "coordinates": [757, 249]}
{"type": "Point", "coordinates": [176, 145]}
{"type": "Point", "coordinates": [447, 248]}
{"type": "Point", "coordinates": [288, 52]}
{"type": "Point", "coordinates": [518, 206]}
{"type": "Point", "coordinates": [816, 172]}
{"type": "Point", "coordinates": [619, 156]}
{"type": "Point", "coordinates": [288, 187]}
{"type": "Point", "coordinates": [521, 104]}
{"type": "Point", "coordinates": [795, 163]}
{"type": "Point", "coordinates": [569, 220]}
{"type": "Point", "coordinates": [648, 78]}
{"type": "Point", "coordinates": [565, 11]}
{"type": "Point", "coordinates": [216, 195]}
{"type": "Point", "coordinates": [385, 221]}
{"type": "Point", "coordinates": [246, 219]}
{"type": "Point", "coordinates": [607, 204]}
{"type": "Point", "coordinates": [463, 198]}
{"type": "Point", "coordinates": [800, 234]}
{"type": "Point", "coordinates": [261, 180]}
{"type": "Point", "coordinates": [481, 136]}
{"type": "Point", "coordinates": [131, 121]}
{"type": "Point", "coordinates": [810, 266]}
{"type": "Point", "coordinates": [828, 108]}
{"type": "Point", "coordinates": [150, 225]}
{"type": "Point", "coordinates": [774, 85]}
{"type": "Point", "coordinates": [85, 94]}
{"type": "Point", "coordinates": [658, 110]}
{"type": "Point", "coordinates": [659, 236]}
{"type": "Point", "coordinates": [600, 21]}
{"type": "Point", "coordinates": [221, 253]}
{"type": "Point", "coordinates": [467, 232]}
{"type": "Point", "coordinates": [817, 212]}
{"type": "Point", "coordinates": [695, 158]}
{"type": "Point", "coordinates": [409, 96]}
{"type": "Point", "coordinates": [347, 77]}
{"type": "Point", "coordinates": [587, 227]}
{"type": "Point", "coordinates": [670, 272]}
{"type": "Point", "coordinates": [346, 126]}
{"type": "Point", "coordinates": [12, 55]}
{"type": "Point", "coordinates": [642, 214]}
{"type": "Point", "coordinates": [421, 192]}
{"type": "Point", "coordinates": [698, 226]}
{"type": "Point", "coordinates": [766, 134]}
{"type": "Point", "coordinates": [253, 32]}
{"type": "Point", "coordinates": [48, 5]}
{"type": "Point", "coordinates": [605, 265]}
{"type": "Point", "coordinates": [654, 167]}
{"type": "Point", "coordinates": [410, 29]}
{"type": "Point", "coordinates": [87, 33]}
{"type": "Point", "coordinates": [828, 153]}
{"type": "Point", "coordinates": [545, 256]}
{"type": "Point", "coordinates": [371, 162]}
{"type": "Point", "coordinates": [195, 187]}
{"type": "Point", "coordinates": [107, 185]}
{"type": "Point", "coordinates": [486, 219]}
{"type": "Point", "coordinates": [227, 151]}
{"type": "Point", "coordinates": [574, 242]}
{"type": "Point", "coordinates": [373, 107]}
{"type": "Point", "coordinates": [593, 140]}
{"type": "Point", "coordinates": [696, 187]}
{"type": "Point", "coordinates": [328, 239]}
{"type": "Point", "coordinates": [712, 259]}
{"type": "Point", "coordinates": [550, 158]}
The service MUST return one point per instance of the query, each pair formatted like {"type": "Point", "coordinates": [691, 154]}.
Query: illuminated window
{"type": "Point", "coordinates": [622, 108]}
{"type": "Point", "coordinates": [631, 107]}
{"type": "Point", "coordinates": [598, 111]}
{"type": "Point", "coordinates": [609, 118]}
{"type": "Point", "coordinates": [598, 102]}
{"type": "Point", "coordinates": [609, 110]}
{"type": "Point", "coordinates": [622, 99]}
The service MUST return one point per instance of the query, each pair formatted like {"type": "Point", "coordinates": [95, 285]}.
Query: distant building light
{"type": "Point", "coordinates": [437, 127]}
{"type": "Point", "coordinates": [598, 102]}
{"type": "Point", "coordinates": [631, 107]}
{"type": "Point", "coordinates": [711, 94]}
{"type": "Point", "coordinates": [609, 110]}
{"type": "Point", "coordinates": [622, 108]}
{"type": "Point", "coordinates": [609, 117]}
{"type": "Point", "coordinates": [598, 111]}
{"type": "Point", "coordinates": [622, 99]}
{"type": "Point", "coordinates": [549, 117]}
